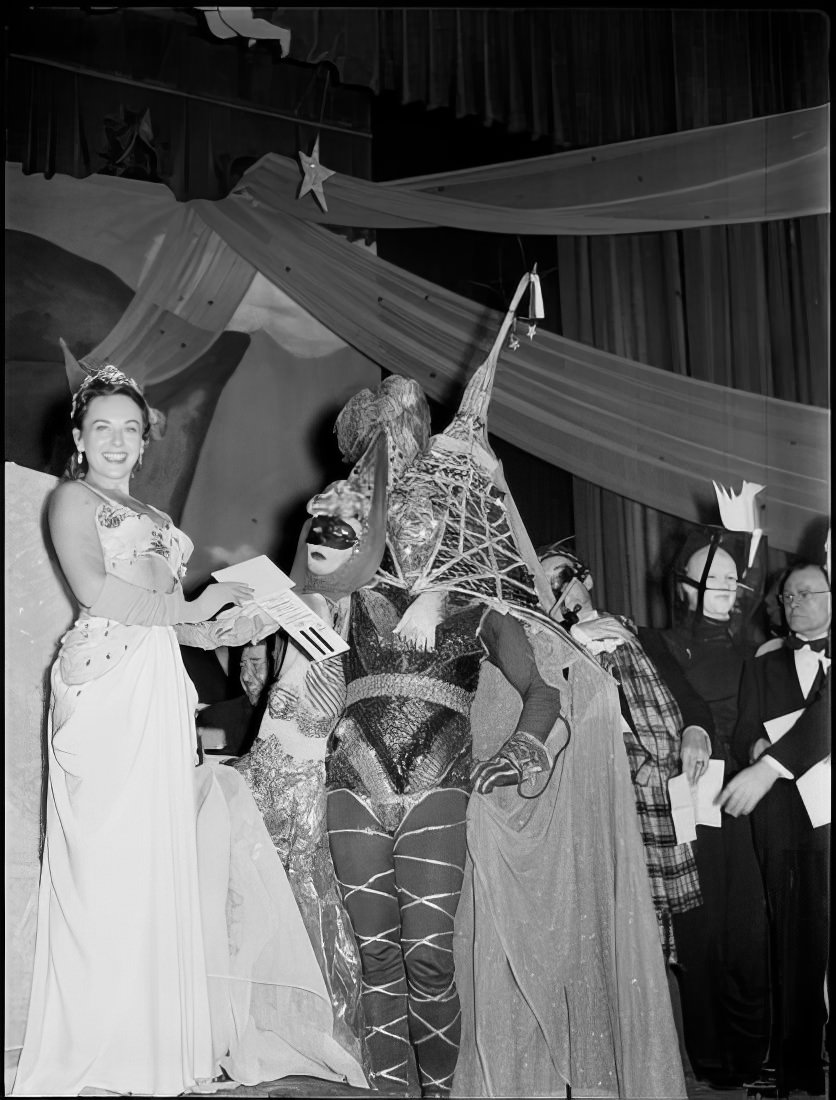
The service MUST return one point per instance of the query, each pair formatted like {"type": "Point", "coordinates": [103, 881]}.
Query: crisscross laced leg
{"type": "Point", "coordinates": [362, 852]}
{"type": "Point", "coordinates": [429, 855]}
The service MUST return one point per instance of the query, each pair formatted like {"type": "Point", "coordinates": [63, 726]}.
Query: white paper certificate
{"type": "Point", "coordinates": [692, 806]}
{"type": "Point", "coordinates": [814, 785]}
{"type": "Point", "coordinates": [273, 595]}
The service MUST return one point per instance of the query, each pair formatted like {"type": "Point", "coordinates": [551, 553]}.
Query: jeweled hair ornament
{"type": "Point", "coordinates": [110, 375]}
{"type": "Point", "coordinates": [80, 377]}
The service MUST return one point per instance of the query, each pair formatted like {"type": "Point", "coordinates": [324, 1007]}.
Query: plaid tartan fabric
{"type": "Point", "coordinates": [653, 753]}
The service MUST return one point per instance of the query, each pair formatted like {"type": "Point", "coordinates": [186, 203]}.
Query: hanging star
{"type": "Point", "coordinates": [513, 343]}
{"type": "Point", "coordinates": [532, 330]}
{"type": "Point", "coordinates": [315, 175]}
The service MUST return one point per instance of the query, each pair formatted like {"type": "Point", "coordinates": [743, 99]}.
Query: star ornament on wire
{"type": "Point", "coordinates": [315, 175]}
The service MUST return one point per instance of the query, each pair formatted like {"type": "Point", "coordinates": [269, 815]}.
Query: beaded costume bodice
{"type": "Point", "coordinates": [406, 725]}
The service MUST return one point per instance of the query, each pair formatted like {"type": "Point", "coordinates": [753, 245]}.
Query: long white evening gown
{"type": "Point", "coordinates": [168, 942]}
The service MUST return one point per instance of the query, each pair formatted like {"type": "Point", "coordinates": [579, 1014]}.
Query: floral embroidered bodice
{"type": "Point", "coordinates": [134, 543]}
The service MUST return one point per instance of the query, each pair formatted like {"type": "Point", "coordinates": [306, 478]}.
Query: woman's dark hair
{"type": "Point", "coordinates": [99, 387]}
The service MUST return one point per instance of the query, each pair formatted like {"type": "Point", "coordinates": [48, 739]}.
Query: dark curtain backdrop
{"type": "Point", "coordinates": [580, 76]}
{"type": "Point", "coordinates": [744, 306]}
{"type": "Point", "coordinates": [68, 70]}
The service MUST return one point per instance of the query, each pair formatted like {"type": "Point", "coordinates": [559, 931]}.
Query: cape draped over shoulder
{"type": "Point", "coordinates": [558, 960]}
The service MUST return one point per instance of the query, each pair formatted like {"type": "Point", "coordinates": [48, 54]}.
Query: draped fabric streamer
{"type": "Point", "coordinates": [185, 301]}
{"type": "Point", "coordinates": [764, 169]}
{"type": "Point", "coordinates": [647, 434]}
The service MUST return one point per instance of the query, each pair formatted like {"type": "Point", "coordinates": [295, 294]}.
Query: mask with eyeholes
{"type": "Point", "coordinates": [562, 568]}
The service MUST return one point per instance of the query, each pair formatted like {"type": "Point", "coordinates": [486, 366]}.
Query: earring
{"type": "Point", "coordinates": [139, 461]}
{"type": "Point", "coordinates": [79, 457]}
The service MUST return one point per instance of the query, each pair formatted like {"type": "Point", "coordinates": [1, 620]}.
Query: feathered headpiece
{"type": "Point", "coordinates": [399, 409]}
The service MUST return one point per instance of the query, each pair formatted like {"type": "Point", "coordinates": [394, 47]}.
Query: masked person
{"type": "Point", "coordinates": [664, 726]}
{"type": "Point", "coordinates": [723, 951]}
{"type": "Point", "coordinates": [458, 599]}
{"type": "Point", "coordinates": [788, 685]}
{"type": "Point", "coordinates": [339, 548]}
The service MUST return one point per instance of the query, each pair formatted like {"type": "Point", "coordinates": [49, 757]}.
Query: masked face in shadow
{"type": "Point", "coordinates": [570, 583]}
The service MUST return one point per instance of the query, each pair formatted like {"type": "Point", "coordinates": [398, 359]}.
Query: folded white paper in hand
{"type": "Point", "coordinates": [814, 784]}
{"type": "Point", "coordinates": [273, 599]}
{"type": "Point", "coordinates": [692, 806]}
{"type": "Point", "coordinates": [815, 790]}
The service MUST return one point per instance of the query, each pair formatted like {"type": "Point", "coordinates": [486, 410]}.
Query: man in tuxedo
{"type": "Point", "coordinates": [779, 682]}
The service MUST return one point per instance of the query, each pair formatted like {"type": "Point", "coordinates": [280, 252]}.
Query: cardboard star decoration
{"type": "Point", "coordinates": [315, 175]}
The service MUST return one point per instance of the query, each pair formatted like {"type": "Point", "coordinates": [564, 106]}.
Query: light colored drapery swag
{"type": "Point", "coordinates": [763, 169]}
{"type": "Point", "coordinates": [184, 302]}
{"type": "Point", "coordinates": [647, 434]}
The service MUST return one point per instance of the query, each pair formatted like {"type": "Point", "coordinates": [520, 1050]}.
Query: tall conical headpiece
{"type": "Point", "coordinates": [471, 419]}
{"type": "Point", "coordinates": [453, 524]}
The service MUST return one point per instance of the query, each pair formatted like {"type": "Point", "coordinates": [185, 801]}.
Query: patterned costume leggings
{"type": "Point", "coordinates": [401, 891]}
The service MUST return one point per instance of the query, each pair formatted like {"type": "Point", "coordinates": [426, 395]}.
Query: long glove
{"type": "Point", "coordinates": [522, 761]}
{"type": "Point", "coordinates": [128, 603]}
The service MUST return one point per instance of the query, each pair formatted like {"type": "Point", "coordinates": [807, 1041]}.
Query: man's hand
{"type": "Point", "coordinates": [745, 790]}
{"type": "Point", "coordinates": [695, 753]}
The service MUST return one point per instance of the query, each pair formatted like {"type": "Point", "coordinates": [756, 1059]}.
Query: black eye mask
{"type": "Point", "coordinates": [332, 532]}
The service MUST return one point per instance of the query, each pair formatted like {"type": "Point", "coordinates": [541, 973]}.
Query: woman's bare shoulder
{"type": "Point", "coordinates": [72, 496]}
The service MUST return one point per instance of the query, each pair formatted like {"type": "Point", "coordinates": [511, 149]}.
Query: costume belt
{"type": "Point", "coordinates": [411, 685]}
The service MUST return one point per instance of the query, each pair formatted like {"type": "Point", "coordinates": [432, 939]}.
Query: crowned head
{"type": "Point", "coordinates": [109, 381]}
{"type": "Point", "coordinates": [111, 424]}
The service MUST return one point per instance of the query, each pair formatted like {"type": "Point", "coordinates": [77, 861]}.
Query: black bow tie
{"type": "Point", "coordinates": [818, 645]}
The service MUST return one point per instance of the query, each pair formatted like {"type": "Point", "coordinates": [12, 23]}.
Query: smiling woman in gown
{"type": "Point", "coordinates": [169, 950]}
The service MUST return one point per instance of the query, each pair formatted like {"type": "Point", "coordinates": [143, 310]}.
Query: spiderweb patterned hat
{"type": "Point", "coordinates": [452, 524]}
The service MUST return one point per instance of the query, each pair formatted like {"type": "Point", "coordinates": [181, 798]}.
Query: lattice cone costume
{"type": "Point", "coordinates": [453, 525]}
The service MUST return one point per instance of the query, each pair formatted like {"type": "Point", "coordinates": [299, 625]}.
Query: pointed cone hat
{"type": "Point", "coordinates": [472, 417]}
{"type": "Point", "coordinates": [482, 547]}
